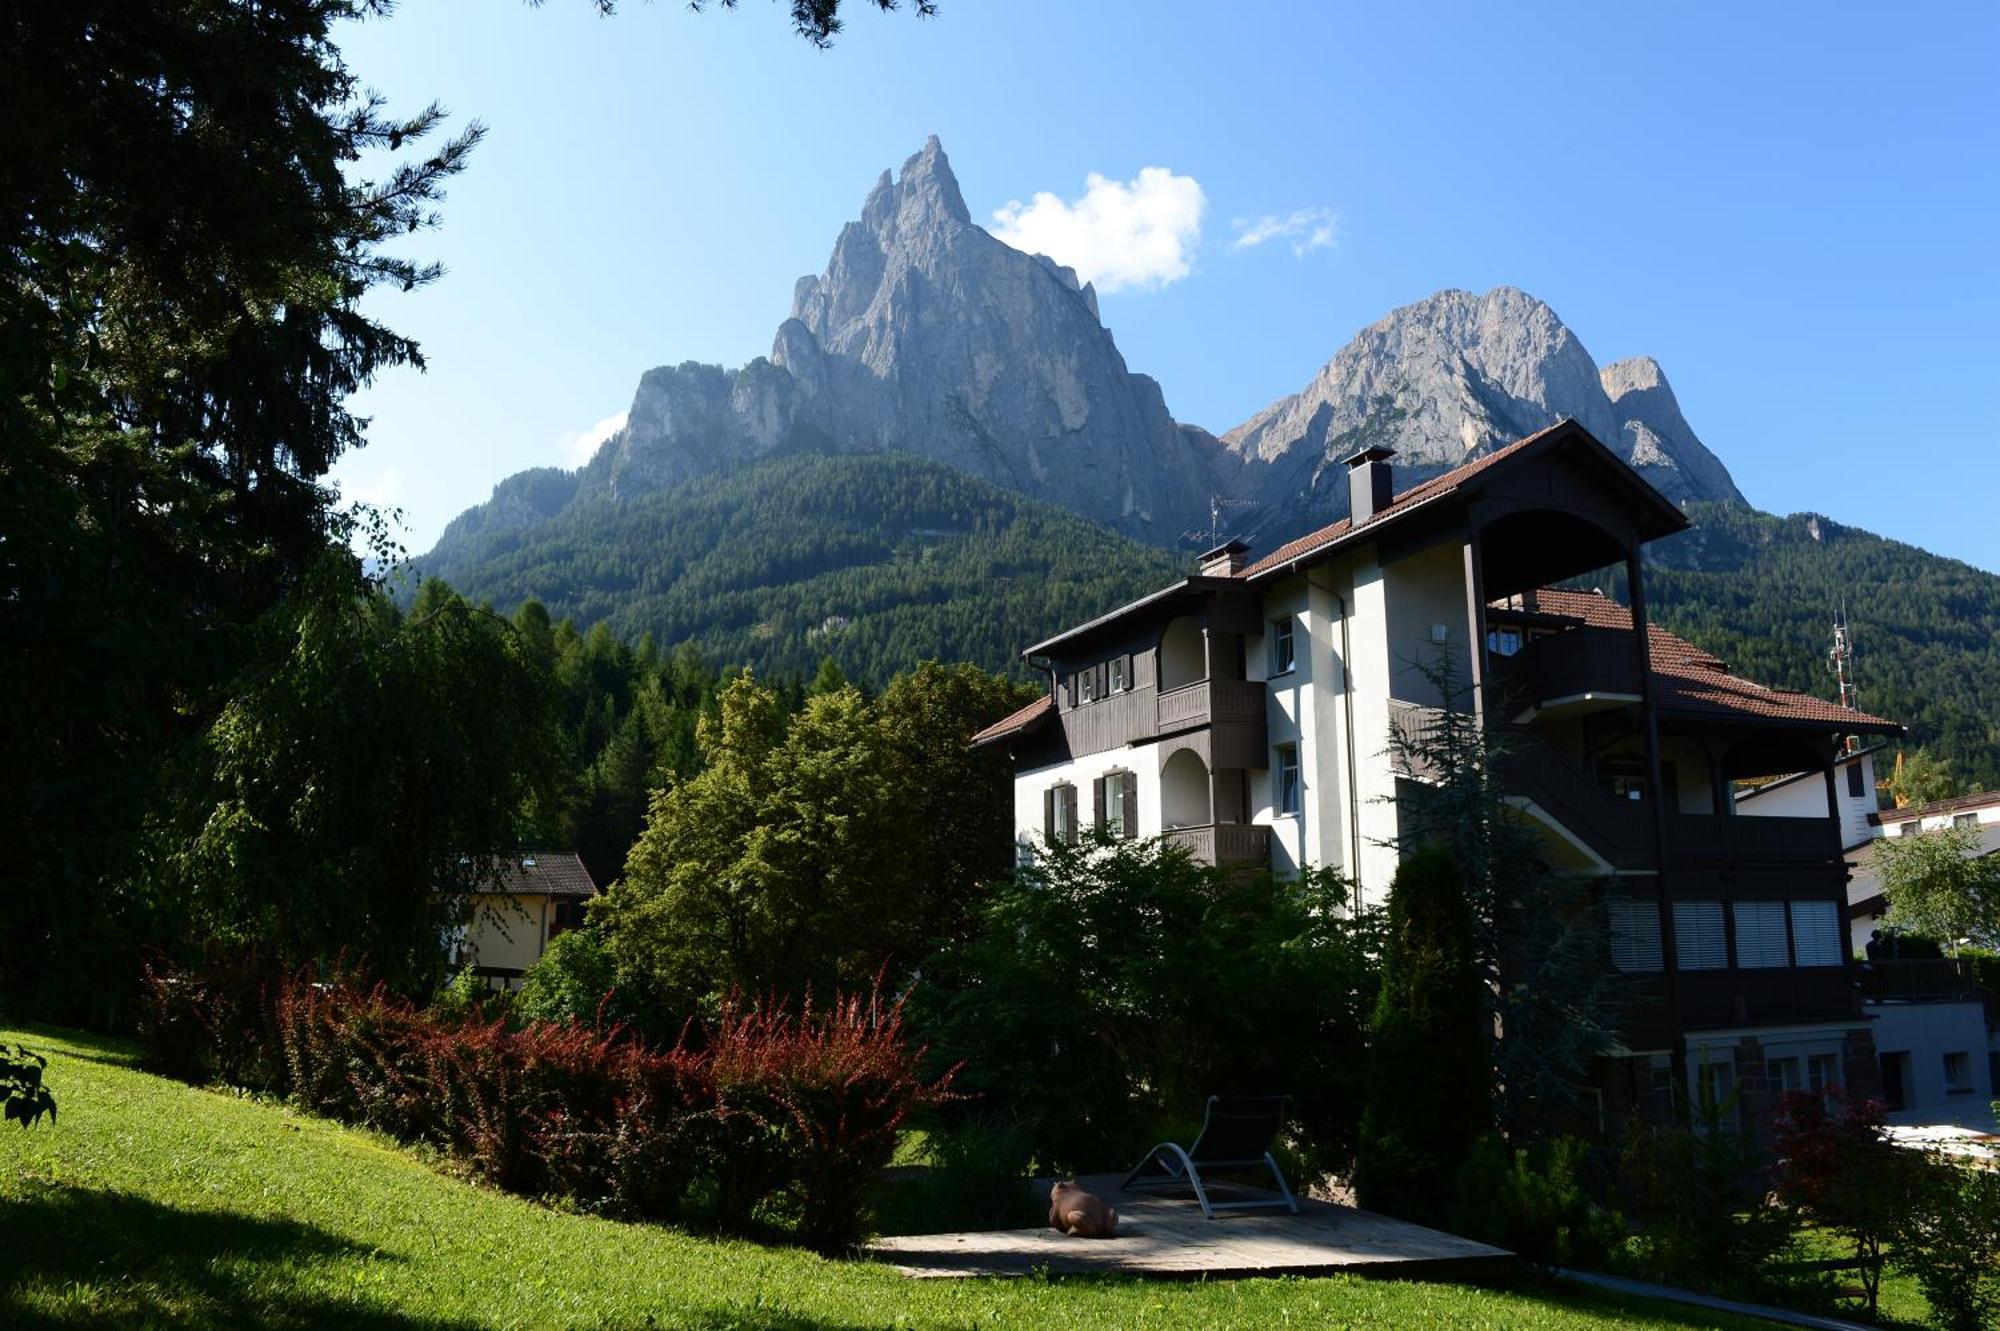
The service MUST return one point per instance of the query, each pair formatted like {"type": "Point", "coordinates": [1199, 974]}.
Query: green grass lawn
{"type": "Point", "coordinates": [151, 1203]}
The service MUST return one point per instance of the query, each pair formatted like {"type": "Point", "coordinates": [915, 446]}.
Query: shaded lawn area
{"type": "Point", "coordinates": [150, 1203]}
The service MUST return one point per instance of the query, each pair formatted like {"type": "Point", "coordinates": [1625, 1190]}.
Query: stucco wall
{"type": "Point", "coordinates": [507, 931]}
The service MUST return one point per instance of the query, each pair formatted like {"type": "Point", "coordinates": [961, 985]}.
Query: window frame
{"type": "Point", "coordinates": [1816, 921]}
{"type": "Point", "coordinates": [1961, 1085]}
{"type": "Point", "coordinates": [1120, 676]}
{"type": "Point", "coordinates": [1776, 916]}
{"type": "Point", "coordinates": [1287, 780]}
{"type": "Point", "coordinates": [1284, 645]}
{"type": "Point", "coordinates": [1646, 945]}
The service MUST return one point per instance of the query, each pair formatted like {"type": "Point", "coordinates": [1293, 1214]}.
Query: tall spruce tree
{"type": "Point", "coordinates": [1429, 1091]}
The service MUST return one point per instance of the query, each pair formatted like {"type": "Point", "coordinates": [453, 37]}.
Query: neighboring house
{"type": "Point", "coordinates": [1937, 1032]}
{"type": "Point", "coordinates": [531, 899]}
{"type": "Point", "coordinates": [1245, 713]}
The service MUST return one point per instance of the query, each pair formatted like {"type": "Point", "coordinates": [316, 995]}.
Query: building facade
{"type": "Point", "coordinates": [1246, 713]}
{"type": "Point", "coordinates": [510, 921]}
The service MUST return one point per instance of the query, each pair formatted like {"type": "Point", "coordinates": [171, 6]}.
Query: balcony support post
{"type": "Point", "coordinates": [1475, 622]}
{"type": "Point", "coordinates": [1649, 719]}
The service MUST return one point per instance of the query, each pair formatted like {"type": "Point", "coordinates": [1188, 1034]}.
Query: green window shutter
{"type": "Point", "coordinates": [1069, 807]}
{"type": "Point", "coordinates": [1049, 813]}
{"type": "Point", "coordinates": [1130, 780]}
{"type": "Point", "coordinates": [1097, 810]}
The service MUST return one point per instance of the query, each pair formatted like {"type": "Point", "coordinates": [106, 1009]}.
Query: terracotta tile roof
{"type": "Point", "coordinates": [1692, 680]}
{"type": "Point", "coordinates": [1016, 722]}
{"type": "Point", "coordinates": [1410, 498]}
{"type": "Point", "coordinates": [542, 873]}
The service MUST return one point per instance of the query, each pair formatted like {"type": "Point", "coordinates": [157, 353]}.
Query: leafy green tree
{"type": "Point", "coordinates": [1429, 1090]}
{"type": "Point", "coordinates": [1921, 777]}
{"type": "Point", "coordinates": [570, 981]}
{"type": "Point", "coordinates": [361, 782]}
{"type": "Point", "coordinates": [1111, 986]}
{"type": "Point", "coordinates": [955, 804]}
{"type": "Point", "coordinates": [828, 679]}
{"type": "Point", "coordinates": [1941, 886]}
{"type": "Point", "coordinates": [1949, 1240]}
{"type": "Point", "coordinates": [194, 202]}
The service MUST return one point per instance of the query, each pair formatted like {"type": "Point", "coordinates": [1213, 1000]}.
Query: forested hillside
{"type": "Point", "coordinates": [877, 560]}
{"type": "Point", "coordinates": [1762, 592]}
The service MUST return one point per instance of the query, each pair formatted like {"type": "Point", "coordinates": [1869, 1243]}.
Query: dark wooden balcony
{"type": "Point", "coordinates": [1704, 838]}
{"type": "Point", "coordinates": [1208, 702]}
{"type": "Point", "coordinates": [1225, 844]}
{"type": "Point", "coordinates": [1570, 672]}
{"type": "Point", "coordinates": [1920, 980]}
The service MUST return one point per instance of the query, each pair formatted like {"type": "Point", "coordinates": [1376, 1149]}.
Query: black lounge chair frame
{"type": "Point", "coordinates": [1235, 1134]}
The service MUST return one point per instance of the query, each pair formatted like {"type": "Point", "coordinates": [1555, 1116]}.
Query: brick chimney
{"type": "Point", "coordinates": [1370, 484]}
{"type": "Point", "coordinates": [1225, 560]}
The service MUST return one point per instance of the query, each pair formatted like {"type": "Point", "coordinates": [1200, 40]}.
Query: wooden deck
{"type": "Point", "coordinates": [1168, 1238]}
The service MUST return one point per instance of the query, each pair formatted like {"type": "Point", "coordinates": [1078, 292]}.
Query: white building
{"type": "Point", "coordinates": [1246, 713]}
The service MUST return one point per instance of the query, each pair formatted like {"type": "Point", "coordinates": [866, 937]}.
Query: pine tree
{"type": "Point", "coordinates": [1429, 1091]}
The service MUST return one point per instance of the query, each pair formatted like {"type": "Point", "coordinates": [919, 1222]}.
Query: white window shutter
{"type": "Point", "coordinates": [1816, 933]}
{"type": "Point", "coordinates": [1760, 935]}
{"type": "Point", "coordinates": [1635, 935]}
{"type": "Point", "coordinates": [1698, 941]}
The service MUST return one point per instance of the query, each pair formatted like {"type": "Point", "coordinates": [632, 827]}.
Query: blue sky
{"type": "Point", "coordinates": [1793, 208]}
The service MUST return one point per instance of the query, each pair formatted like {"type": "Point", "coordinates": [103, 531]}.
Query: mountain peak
{"type": "Point", "coordinates": [927, 189]}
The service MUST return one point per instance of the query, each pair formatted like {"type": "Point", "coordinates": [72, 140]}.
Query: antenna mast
{"type": "Point", "coordinates": [1841, 661]}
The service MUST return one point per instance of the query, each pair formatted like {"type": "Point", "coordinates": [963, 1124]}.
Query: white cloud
{"type": "Point", "coordinates": [580, 447]}
{"type": "Point", "coordinates": [1306, 229]}
{"type": "Point", "coordinates": [384, 489]}
{"type": "Point", "coordinates": [1139, 234]}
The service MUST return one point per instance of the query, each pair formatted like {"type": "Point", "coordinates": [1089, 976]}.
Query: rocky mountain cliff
{"type": "Point", "coordinates": [1447, 378]}
{"type": "Point", "coordinates": [926, 335]}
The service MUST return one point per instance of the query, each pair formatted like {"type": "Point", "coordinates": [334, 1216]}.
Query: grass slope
{"type": "Point", "coordinates": [760, 566]}
{"type": "Point", "coordinates": [155, 1204]}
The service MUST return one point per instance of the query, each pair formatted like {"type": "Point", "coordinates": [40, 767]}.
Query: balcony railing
{"type": "Point", "coordinates": [1693, 837]}
{"type": "Point", "coordinates": [1208, 702]}
{"type": "Point", "coordinates": [1566, 665]}
{"type": "Point", "coordinates": [1924, 979]}
{"type": "Point", "coordinates": [1224, 844]}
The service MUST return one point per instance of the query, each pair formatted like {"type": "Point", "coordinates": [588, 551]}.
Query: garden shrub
{"type": "Point", "coordinates": [1535, 1201]}
{"type": "Point", "coordinates": [1700, 1194]}
{"type": "Point", "coordinates": [1430, 1063]}
{"type": "Point", "coordinates": [1112, 986]}
{"type": "Point", "coordinates": [763, 1108]}
{"type": "Point", "coordinates": [213, 1023]}
{"type": "Point", "coordinates": [570, 982]}
{"type": "Point", "coordinates": [1836, 1165]}
{"type": "Point", "coordinates": [972, 1174]}
{"type": "Point", "coordinates": [1949, 1240]}
{"type": "Point", "coordinates": [24, 1099]}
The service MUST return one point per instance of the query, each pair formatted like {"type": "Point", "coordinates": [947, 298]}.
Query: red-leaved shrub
{"type": "Point", "coordinates": [766, 1107]}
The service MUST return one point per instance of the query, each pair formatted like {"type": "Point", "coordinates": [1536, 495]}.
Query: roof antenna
{"type": "Point", "coordinates": [1840, 659]}
{"type": "Point", "coordinates": [1216, 503]}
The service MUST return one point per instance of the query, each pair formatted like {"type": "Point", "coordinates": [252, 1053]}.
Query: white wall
{"type": "Point", "coordinates": [1144, 761]}
{"type": "Point", "coordinates": [1892, 817]}
{"type": "Point", "coordinates": [1806, 798]}
{"type": "Point", "coordinates": [1927, 1032]}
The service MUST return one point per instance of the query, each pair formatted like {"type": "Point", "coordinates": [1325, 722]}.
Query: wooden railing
{"type": "Point", "coordinates": [1208, 702]}
{"type": "Point", "coordinates": [1928, 979]}
{"type": "Point", "coordinates": [1618, 830]}
{"type": "Point", "coordinates": [1695, 837]}
{"type": "Point", "coordinates": [1224, 844]}
{"type": "Point", "coordinates": [1563, 665]}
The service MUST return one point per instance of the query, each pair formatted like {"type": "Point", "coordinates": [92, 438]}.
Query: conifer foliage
{"type": "Point", "coordinates": [1429, 1089]}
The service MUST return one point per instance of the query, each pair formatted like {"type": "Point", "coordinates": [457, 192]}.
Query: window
{"type": "Point", "coordinates": [1118, 803]}
{"type": "Point", "coordinates": [1635, 935]}
{"type": "Point", "coordinates": [1059, 812]}
{"type": "Point", "coordinates": [1623, 777]}
{"type": "Point", "coordinates": [1907, 829]}
{"type": "Point", "coordinates": [1823, 1071]}
{"type": "Point", "coordinates": [1283, 654]}
{"type": "Point", "coordinates": [1698, 942]}
{"type": "Point", "coordinates": [1783, 1075]}
{"type": "Point", "coordinates": [1121, 673]}
{"type": "Point", "coordinates": [1086, 686]}
{"type": "Point", "coordinates": [1503, 641]}
{"type": "Point", "coordinates": [1958, 1074]}
{"type": "Point", "coordinates": [1854, 786]}
{"type": "Point", "coordinates": [1288, 778]}
{"type": "Point", "coordinates": [1760, 935]}
{"type": "Point", "coordinates": [1816, 938]}
{"type": "Point", "coordinates": [1718, 1086]}
{"type": "Point", "coordinates": [1965, 820]}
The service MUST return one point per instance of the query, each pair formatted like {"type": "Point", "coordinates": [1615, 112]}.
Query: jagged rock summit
{"type": "Point", "coordinates": [1447, 378]}
{"type": "Point", "coordinates": [927, 335]}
